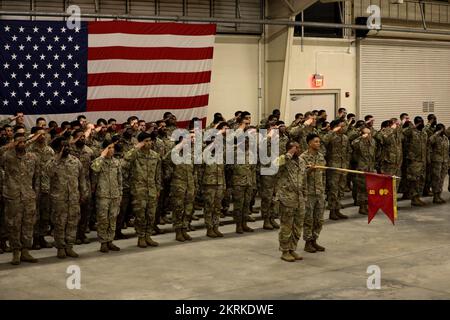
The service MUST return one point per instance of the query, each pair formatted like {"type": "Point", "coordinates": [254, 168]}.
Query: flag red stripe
{"type": "Point", "coordinates": [185, 124]}
{"type": "Point", "coordinates": [142, 79]}
{"type": "Point", "coordinates": [127, 53]}
{"type": "Point", "coordinates": [147, 103]}
{"type": "Point", "coordinates": [100, 27]}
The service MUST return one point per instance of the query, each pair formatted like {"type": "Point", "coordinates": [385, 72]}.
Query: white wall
{"type": "Point", "coordinates": [234, 82]}
{"type": "Point", "coordinates": [335, 60]}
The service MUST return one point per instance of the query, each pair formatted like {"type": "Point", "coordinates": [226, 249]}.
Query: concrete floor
{"type": "Point", "coordinates": [414, 257]}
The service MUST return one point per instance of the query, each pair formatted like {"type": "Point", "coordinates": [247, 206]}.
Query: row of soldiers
{"type": "Point", "coordinates": [80, 176]}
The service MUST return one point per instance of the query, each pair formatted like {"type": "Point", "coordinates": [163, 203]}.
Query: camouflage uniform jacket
{"type": "Point", "coordinates": [21, 175]}
{"type": "Point", "coordinates": [417, 144]}
{"type": "Point", "coordinates": [315, 178]}
{"type": "Point", "coordinates": [365, 151]}
{"type": "Point", "coordinates": [391, 144]}
{"type": "Point", "coordinates": [66, 179]}
{"type": "Point", "coordinates": [145, 172]}
{"type": "Point", "coordinates": [439, 146]}
{"type": "Point", "coordinates": [44, 154]}
{"type": "Point", "coordinates": [291, 182]}
{"type": "Point", "coordinates": [243, 175]}
{"type": "Point", "coordinates": [85, 155]}
{"type": "Point", "coordinates": [109, 177]}
{"type": "Point", "coordinates": [338, 150]}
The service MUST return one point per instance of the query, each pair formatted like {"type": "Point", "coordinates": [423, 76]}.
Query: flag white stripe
{"type": "Point", "coordinates": [148, 66]}
{"type": "Point", "coordinates": [151, 91]}
{"type": "Point", "coordinates": [149, 40]}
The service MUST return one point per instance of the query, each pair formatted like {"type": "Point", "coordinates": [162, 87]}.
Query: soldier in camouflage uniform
{"type": "Point", "coordinates": [66, 176]}
{"type": "Point", "coordinates": [38, 145]}
{"type": "Point", "coordinates": [338, 155]}
{"type": "Point", "coordinates": [439, 146]}
{"type": "Point", "coordinates": [182, 186]}
{"type": "Point", "coordinates": [291, 194]}
{"type": "Point", "coordinates": [430, 129]}
{"type": "Point", "coordinates": [125, 201]}
{"type": "Point", "coordinates": [416, 160]}
{"type": "Point", "coordinates": [315, 193]}
{"type": "Point", "coordinates": [300, 132]}
{"type": "Point", "coordinates": [243, 179]}
{"type": "Point", "coordinates": [20, 187]}
{"type": "Point", "coordinates": [82, 152]}
{"type": "Point", "coordinates": [364, 149]}
{"type": "Point", "coordinates": [213, 183]}
{"type": "Point", "coordinates": [392, 152]}
{"type": "Point", "coordinates": [145, 179]}
{"type": "Point", "coordinates": [267, 187]}
{"type": "Point", "coordinates": [108, 179]}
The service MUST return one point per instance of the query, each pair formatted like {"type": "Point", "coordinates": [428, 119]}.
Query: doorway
{"type": "Point", "coordinates": [302, 101]}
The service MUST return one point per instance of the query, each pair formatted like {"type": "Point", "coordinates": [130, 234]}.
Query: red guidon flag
{"type": "Point", "coordinates": [381, 194]}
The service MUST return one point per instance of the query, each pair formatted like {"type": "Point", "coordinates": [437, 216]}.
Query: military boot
{"type": "Point", "coordinates": [443, 201]}
{"type": "Point", "coordinates": [340, 215]}
{"type": "Point", "coordinates": [186, 236]}
{"type": "Point", "coordinates": [286, 256]}
{"type": "Point", "coordinates": [295, 255]}
{"type": "Point", "coordinates": [190, 227]}
{"type": "Point", "coordinates": [36, 245]}
{"type": "Point", "coordinates": [417, 202]}
{"type": "Point", "coordinates": [274, 223]}
{"type": "Point", "coordinates": [71, 253]}
{"type": "Point", "coordinates": [179, 235]}
{"type": "Point", "coordinates": [27, 257]}
{"type": "Point", "coordinates": [250, 219]}
{"type": "Point", "coordinates": [406, 196]}
{"type": "Point", "coordinates": [157, 230]}
{"type": "Point", "coordinates": [246, 228]}
{"type": "Point", "coordinates": [113, 247]}
{"type": "Point", "coordinates": [317, 246]}
{"type": "Point", "coordinates": [16, 258]}
{"type": "Point", "coordinates": [267, 225]}
{"type": "Point", "coordinates": [142, 243]}
{"type": "Point", "coordinates": [210, 233]}
{"type": "Point", "coordinates": [4, 246]}
{"type": "Point", "coordinates": [104, 247]}
{"type": "Point", "coordinates": [239, 227]}
{"type": "Point", "coordinates": [333, 215]}
{"type": "Point", "coordinates": [195, 218]}
{"type": "Point", "coordinates": [309, 247]}
{"type": "Point", "coordinates": [44, 244]}
{"type": "Point", "coordinates": [61, 254]}
{"type": "Point", "coordinates": [217, 232]}
{"type": "Point", "coordinates": [363, 209]}
{"type": "Point", "coordinates": [1, 251]}
{"type": "Point", "coordinates": [150, 241]}
{"type": "Point", "coordinates": [437, 199]}
{"type": "Point", "coordinates": [120, 236]}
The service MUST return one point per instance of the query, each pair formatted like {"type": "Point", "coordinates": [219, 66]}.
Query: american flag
{"type": "Point", "coordinates": [105, 69]}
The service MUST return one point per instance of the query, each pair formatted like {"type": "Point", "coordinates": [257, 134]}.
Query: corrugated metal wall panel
{"type": "Point", "coordinates": [14, 5]}
{"type": "Point", "coordinates": [248, 9]}
{"type": "Point", "coordinates": [396, 77]}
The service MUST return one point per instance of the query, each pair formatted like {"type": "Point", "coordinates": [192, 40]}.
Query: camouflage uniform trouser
{"type": "Point", "coordinates": [403, 185]}
{"type": "Point", "coordinates": [428, 176]}
{"type": "Point", "coordinates": [336, 182]}
{"type": "Point", "coordinates": [212, 196]}
{"type": "Point", "coordinates": [85, 213]}
{"type": "Point", "coordinates": [360, 180]}
{"type": "Point", "coordinates": [183, 205]}
{"type": "Point", "coordinates": [415, 174]}
{"type": "Point", "coordinates": [314, 209]}
{"type": "Point", "coordinates": [392, 170]}
{"type": "Point", "coordinates": [144, 209]}
{"type": "Point", "coordinates": [20, 217]}
{"type": "Point", "coordinates": [42, 215]}
{"type": "Point", "coordinates": [107, 212]}
{"type": "Point", "coordinates": [163, 202]}
{"type": "Point", "coordinates": [291, 225]}
{"type": "Point", "coordinates": [438, 173]}
{"type": "Point", "coordinates": [3, 228]}
{"type": "Point", "coordinates": [124, 212]}
{"type": "Point", "coordinates": [269, 207]}
{"type": "Point", "coordinates": [242, 196]}
{"type": "Point", "coordinates": [66, 216]}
